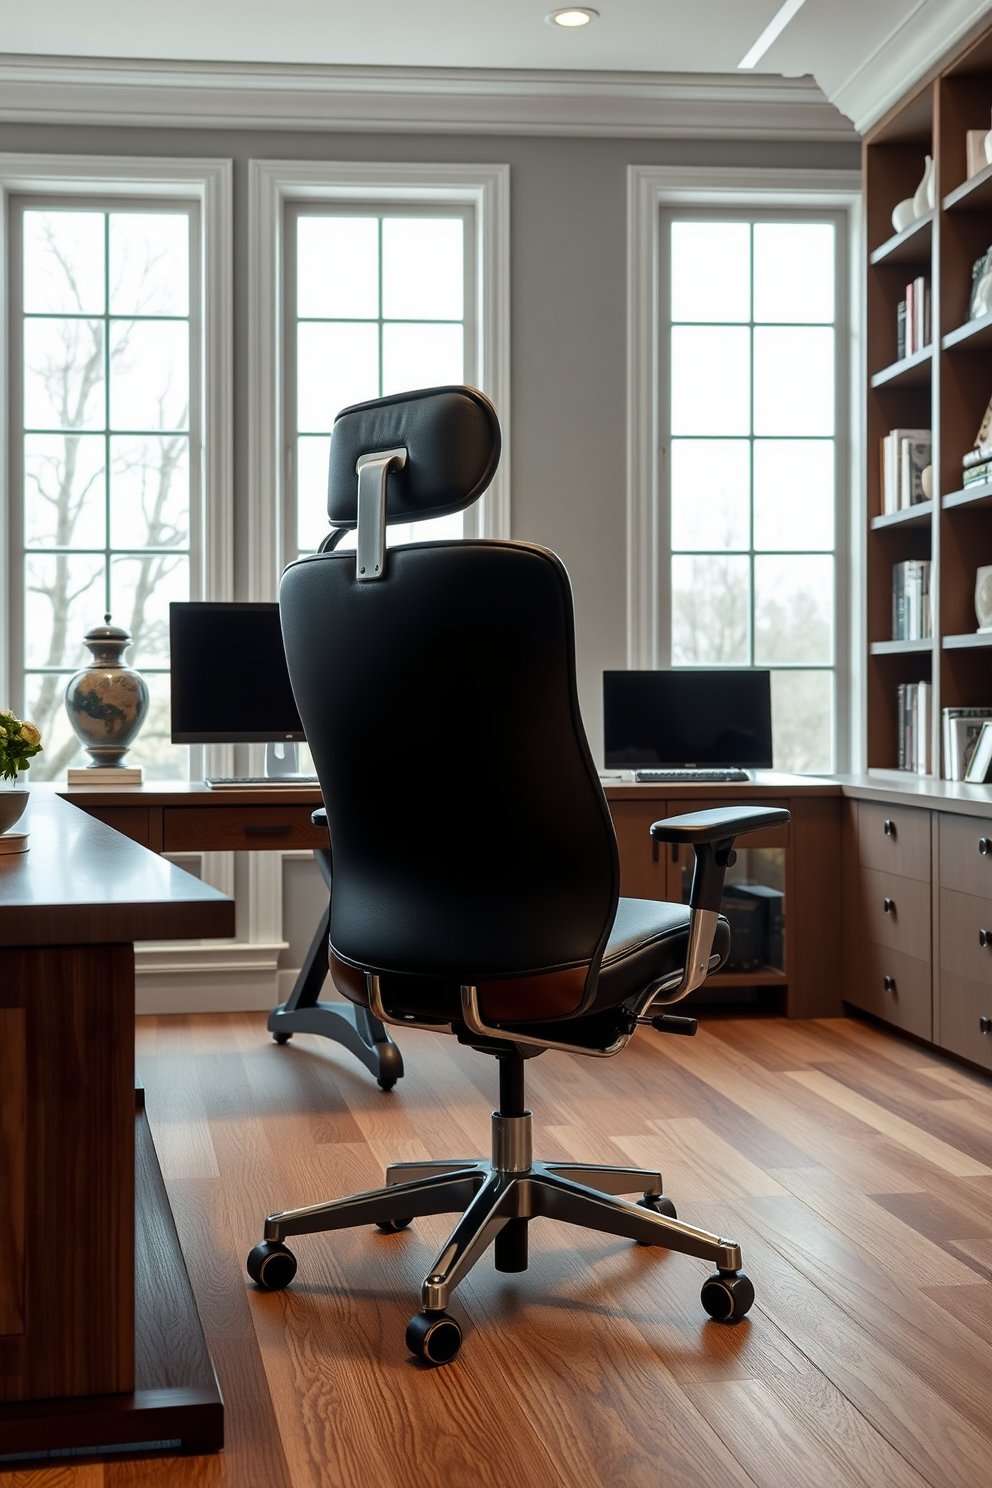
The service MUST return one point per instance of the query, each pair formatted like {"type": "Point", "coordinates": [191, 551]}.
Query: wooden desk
{"type": "Point", "coordinates": [91, 1351]}
{"type": "Point", "coordinates": [189, 817]}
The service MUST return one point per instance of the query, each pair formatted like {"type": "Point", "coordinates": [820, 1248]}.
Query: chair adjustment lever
{"type": "Point", "coordinates": [670, 1023]}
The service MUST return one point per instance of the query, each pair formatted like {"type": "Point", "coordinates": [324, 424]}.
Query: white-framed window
{"type": "Point", "coordinates": [379, 299]}
{"type": "Point", "coordinates": [414, 292]}
{"type": "Point", "coordinates": [741, 456]}
{"type": "Point", "coordinates": [116, 423]}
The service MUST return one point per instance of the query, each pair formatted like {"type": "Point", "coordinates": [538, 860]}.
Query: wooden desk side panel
{"type": "Point", "coordinates": [13, 1154]}
{"type": "Point", "coordinates": [815, 917]}
{"type": "Point", "coordinates": [78, 1074]}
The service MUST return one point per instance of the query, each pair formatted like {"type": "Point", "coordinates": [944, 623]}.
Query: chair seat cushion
{"type": "Point", "coordinates": [647, 944]}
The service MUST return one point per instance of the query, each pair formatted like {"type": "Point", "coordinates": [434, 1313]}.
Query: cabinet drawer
{"type": "Point", "coordinates": [894, 838]}
{"type": "Point", "coordinates": [963, 918]}
{"type": "Point", "coordinates": [895, 912]}
{"type": "Point", "coordinates": [895, 987]}
{"type": "Point", "coordinates": [643, 863]}
{"type": "Point", "coordinates": [220, 829]}
{"type": "Point", "coordinates": [963, 865]}
{"type": "Point", "coordinates": [963, 1005]}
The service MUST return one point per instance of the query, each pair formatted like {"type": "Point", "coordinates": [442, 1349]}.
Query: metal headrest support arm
{"type": "Point", "coordinates": [372, 471]}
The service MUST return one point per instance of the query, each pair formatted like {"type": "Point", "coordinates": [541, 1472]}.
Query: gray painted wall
{"type": "Point", "coordinates": [568, 280]}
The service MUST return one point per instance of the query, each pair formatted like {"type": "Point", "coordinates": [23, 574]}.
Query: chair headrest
{"type": "Point", "coordinates": [452, 439]}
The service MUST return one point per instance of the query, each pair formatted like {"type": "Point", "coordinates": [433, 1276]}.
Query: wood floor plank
{"type": "Point", "coordinates": [805, 1430]}
{"type": "Point", "coordinates": [896, 1128]}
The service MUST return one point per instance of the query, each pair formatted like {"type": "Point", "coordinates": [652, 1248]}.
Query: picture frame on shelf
{"type": "Point", "coordinates": [977, 772]}
{"type": "Point", "coordinates": [980, 302]}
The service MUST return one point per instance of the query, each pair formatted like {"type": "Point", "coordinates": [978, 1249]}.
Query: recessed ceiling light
{"type": "Point", "coordinates": [575, 16]}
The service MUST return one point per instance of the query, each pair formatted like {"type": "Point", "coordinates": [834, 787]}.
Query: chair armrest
{"type": "Point", "coordinates": [711, 834]}
{"type": "Point", "coordinates": [718, 824]}
{"type": "Point", "coordinates": [319, 817]}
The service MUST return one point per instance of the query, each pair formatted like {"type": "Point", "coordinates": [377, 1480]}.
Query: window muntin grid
{"type": "Point", "coordinates": [105, 403]}
{"type": "Point", "coordinates": [751, 476]}
{"type": "Point", "coordinates": [382, 332]}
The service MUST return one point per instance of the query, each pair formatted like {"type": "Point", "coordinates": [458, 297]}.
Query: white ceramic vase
{"type": "Point", "coordinates": [924, 196]}
{"type": "Point", "coordinates": [12, 804]}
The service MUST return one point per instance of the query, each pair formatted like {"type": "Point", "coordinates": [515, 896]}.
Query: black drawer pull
{"type": "Point", "coordinates": [984, 938]}
{"type": "Point", "coordinates": [984, 846]}
{"type": "Point", "coordinates": [889, 983]}
{"type": "Point", "coordinates": [889, 906]}
{"type": "Point", "coordinates": [889, 827]}
{"type": "Point", "coordinates": [275, 831]}
{"type": "Point", "coordinates": [985, 1024]}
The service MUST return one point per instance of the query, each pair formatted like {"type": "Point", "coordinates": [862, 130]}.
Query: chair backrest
{"type": "Point", "coordinates": [469, 831]}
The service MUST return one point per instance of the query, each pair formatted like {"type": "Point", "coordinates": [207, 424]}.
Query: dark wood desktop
{"type": "Point", "coordinates": [93, 1350]}
{"type": "Point", "coordinates": [181, 816]}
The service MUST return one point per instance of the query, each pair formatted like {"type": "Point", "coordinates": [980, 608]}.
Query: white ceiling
{"type": "Point", "coordinates": [827, 38]}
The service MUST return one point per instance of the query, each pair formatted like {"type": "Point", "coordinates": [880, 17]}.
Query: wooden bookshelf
{"type": "Point", "coordinates": [945, 387]}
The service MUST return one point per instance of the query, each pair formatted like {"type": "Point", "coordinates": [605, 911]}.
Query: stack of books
{"type": "Point", "coordinates": [905, 456]}
{"type": "Point", "coordinates": [915, 703]}
{"type": "Point", "coordinates": [911, 600]}
{"type": "Point", "coordinates": [913, 319]}
{"type": "Point", "coordinates": [977, 465]}
{"type": "Point", "coordinates": [960, 728]}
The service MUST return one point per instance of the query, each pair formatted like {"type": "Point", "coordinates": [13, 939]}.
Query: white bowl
{"type": "Point", "coordinates": [904, 214]}
{"type": "Point", "coordinates": [12, 803]}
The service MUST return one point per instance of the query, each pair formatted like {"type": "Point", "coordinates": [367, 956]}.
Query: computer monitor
{"type": "Point", "coordinates": [688, 718]}
{"type": "Point", "coordinates": [230, 682]}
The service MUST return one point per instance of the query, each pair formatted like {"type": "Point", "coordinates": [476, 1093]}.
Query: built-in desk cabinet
{"type": "Point", "coordinates": [919, 923]}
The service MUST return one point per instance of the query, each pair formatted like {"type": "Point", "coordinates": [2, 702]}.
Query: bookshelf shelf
{"type": "Point", "coordinates": [901, 648]}
{"type": "Point", "coordinates": [976, 335]}
{"type": "Point", "coordinates": [912, 245]}
{"type": "Point", "coordinates": [912, 371]}
{"type": "Point", "coordinates": [976, 639]}
{"type": "Point", "coordinates": [975, 496]}
{"type": "Point", "coordinates": [975, 195]}
{"type": "Point", "coordinates": [920, 515]}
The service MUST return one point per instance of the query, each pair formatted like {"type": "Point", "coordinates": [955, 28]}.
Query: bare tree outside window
{"type": "Point", "coordinates": [106, 477]}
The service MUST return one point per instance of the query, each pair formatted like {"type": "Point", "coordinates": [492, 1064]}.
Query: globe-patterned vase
{"type": "Point", "coordinates": [107, 701]}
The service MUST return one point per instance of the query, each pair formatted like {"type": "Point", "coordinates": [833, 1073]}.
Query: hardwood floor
{"type": "Point", "coordinates": [854, 1167]}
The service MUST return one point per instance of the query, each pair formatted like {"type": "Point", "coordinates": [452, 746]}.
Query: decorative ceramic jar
{"type": "Point", "coordinates": [904, 214]}
{"type": "Point", "coordinates": [983, 598]}
{"type": "Point", "coordinates": [107, 702]}
{"type": "Point", "coordinates": [924, 197]}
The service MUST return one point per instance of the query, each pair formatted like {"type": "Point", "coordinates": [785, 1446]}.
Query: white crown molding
{"type": "Point", "coordinates": [907, 54]}
{"type": "Point", "coordinates": [653, 105]}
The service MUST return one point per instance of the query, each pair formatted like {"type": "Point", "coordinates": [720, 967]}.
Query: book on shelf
{"type": "Point", "coordinates": [900, 330]}
{"type": "Point", "coordinates": [104, 776]}
{"type": "Point", "coordinates": [980, 455]}
{"type": "Point", "coordinates": [916, 316]}
{"type": "Point", "coordinates": [905, 454]}
{"type": "Point", "coordinates": [913, 732]}
{"type": "Point", "coordinates": [911, 615]}
{"type": "Point", "coordinates": [960, 728]}
{"type": "Point", "coordinates": [975, 475]}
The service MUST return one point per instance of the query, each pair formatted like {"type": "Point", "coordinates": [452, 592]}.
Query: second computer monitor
{"type": "Point", "coordinates": [230, 682]}
{"type": "Point", "coordinates": [688, 718]}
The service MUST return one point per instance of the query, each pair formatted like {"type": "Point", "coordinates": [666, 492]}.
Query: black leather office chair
{"type": "Point", "coordinates": [475, 868]}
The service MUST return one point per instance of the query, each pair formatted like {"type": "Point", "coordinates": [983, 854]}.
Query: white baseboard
{"type": "Point", "coordinates": [229, 977]}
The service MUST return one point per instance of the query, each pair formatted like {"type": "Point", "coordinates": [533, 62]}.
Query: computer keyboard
{"type": "Point", "coordinates": [651, 777]}
{"type": "Point", "coordinates": [260, 782]}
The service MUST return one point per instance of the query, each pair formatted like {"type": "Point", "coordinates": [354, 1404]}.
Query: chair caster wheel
{"type": "Point", "coordinates": [657, 1204]}
{"type": "Point", "coordinates": [282, 1038]}
{"type": "Point", "coordinates": [434, 1337]}
{"type": "Point", "coordinates": [385, 1083]}
{"type": "Point", "coordinates": [271, 1266]}
{"type": "Point", "coordinates": [727, 1295]}
{"type": "Point", "coordinates": [392, 1226]}
{"type": "Point", "coordinates": [660, 1203]}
